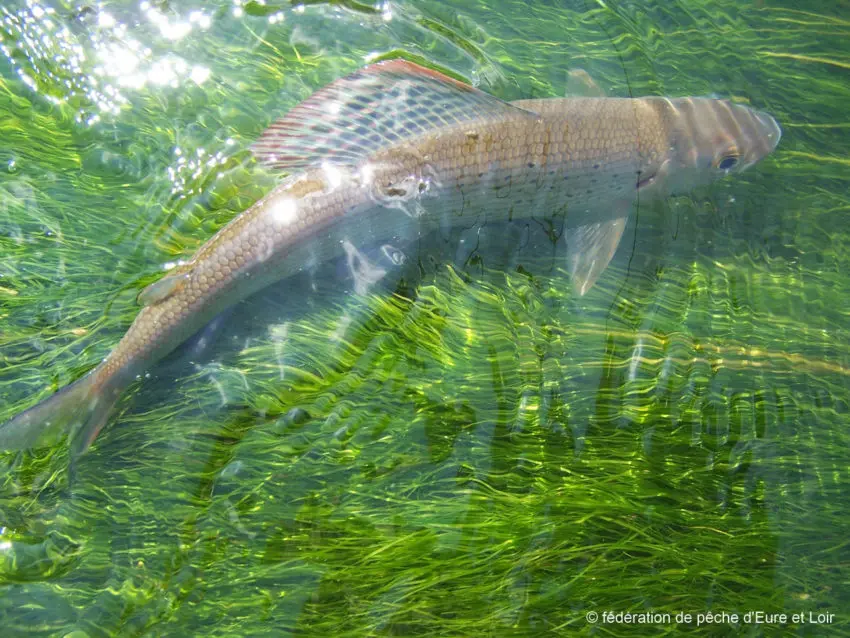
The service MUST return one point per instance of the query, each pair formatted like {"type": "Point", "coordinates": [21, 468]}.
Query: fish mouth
{"type": "Point", "coordinates": [769, 128]}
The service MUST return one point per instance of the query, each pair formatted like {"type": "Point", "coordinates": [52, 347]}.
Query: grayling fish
{"type": "Point", "coordinates": [395, 150]}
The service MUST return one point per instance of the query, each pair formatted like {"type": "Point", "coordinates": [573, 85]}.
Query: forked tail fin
{"type": "Point", "coordinates": [79, 410]}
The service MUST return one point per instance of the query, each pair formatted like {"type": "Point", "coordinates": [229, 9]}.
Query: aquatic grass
{"type": "Point", "coordinates": [489, 522]}
{"type": "Point", "coordinates": [614, 507]}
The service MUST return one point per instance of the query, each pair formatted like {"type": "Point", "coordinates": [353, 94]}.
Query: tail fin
{"type": "Point", "coordinates": [79, 410]}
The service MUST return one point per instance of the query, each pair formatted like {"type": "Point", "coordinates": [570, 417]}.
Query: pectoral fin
{"type": "Point", "coordinates": [591, 248]}
{"type": "Point", "coordinates": [161, 289]}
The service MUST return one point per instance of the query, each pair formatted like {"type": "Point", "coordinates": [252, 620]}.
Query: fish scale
{"type": "Point", "coordinates": [393, 151]}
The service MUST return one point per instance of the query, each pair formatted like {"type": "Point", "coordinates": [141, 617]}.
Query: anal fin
{"type": "Point", "coordinates": [591, 248]}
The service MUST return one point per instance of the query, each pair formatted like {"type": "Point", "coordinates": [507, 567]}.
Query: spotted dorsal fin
{"type": "Point", "coordinates": [373, 108]}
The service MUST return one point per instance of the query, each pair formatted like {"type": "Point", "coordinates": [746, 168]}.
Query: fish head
{"type": "Point", "coordinates": [709, 139]}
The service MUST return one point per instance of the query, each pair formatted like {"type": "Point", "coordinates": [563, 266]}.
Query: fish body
{"type": "Point", "coordinates": [394, 151]}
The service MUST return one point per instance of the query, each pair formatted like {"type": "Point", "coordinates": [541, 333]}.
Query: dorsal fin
{"type": "Point", "coordinates": [371, 109]}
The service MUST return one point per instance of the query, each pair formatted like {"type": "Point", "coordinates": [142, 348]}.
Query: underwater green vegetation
{"type": "Point", "coordinates": [468, 448]}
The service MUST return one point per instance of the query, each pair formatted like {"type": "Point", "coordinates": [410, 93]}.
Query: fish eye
{"type": "Point", "coordinates": [727, 162]}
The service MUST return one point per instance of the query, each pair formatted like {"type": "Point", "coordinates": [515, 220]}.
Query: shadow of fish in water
{"type": "Point", "coordinates": [394, 151]}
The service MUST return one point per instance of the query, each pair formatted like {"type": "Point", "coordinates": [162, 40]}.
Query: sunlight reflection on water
{"type": "Point", "coordinates": [127, 55]}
